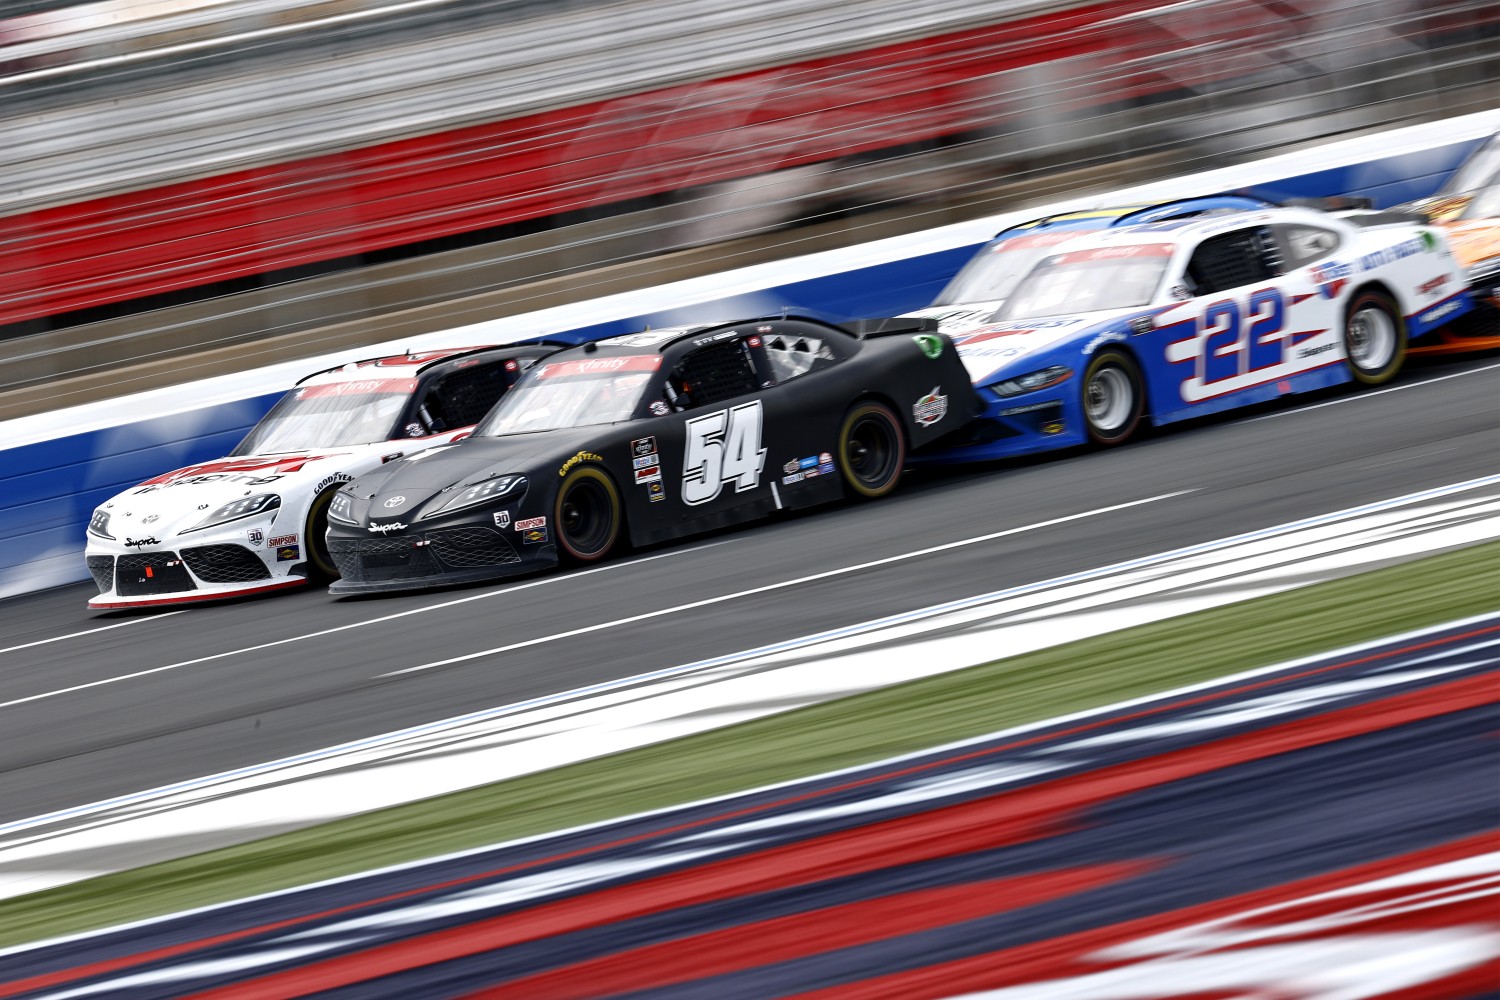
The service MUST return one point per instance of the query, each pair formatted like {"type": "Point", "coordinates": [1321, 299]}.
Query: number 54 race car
{"type": "Point", "coordinates": [1173, 319]}
{"type": "Point", "coordinates": [255, 521]}
{"type": "Point", "coordinates": [653, 436]}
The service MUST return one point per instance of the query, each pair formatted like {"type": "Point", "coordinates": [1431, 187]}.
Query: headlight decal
{"type": "Point", "coordinates": [99, 524]}
{"type": "Point", "coordinates": [501, 489]}
{"type": "Point", "coordinates": [341, 509]}
{"type": "Point", "coordinates": [263, 503]}
{"type": "Point", "coordinates": [1030, 382]}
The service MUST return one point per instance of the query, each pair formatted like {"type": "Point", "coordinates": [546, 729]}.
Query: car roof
{"type": "Point", "coordinates": [1176, 231]}
{"type": "Point", "coordinates": [413, 365]}
{"type": "Point", "coordinates": [1129, 215]}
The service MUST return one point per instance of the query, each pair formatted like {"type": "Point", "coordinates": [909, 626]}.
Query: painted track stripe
{"type": "Point", "coordinates": [998, 968]}
{"type": "Point", "coordinates": [786, 584]}
{"type": "Point", "coordinates": [90, 631]}
{"type": "Point", "coordinates": [1009, 817]}
{"type": "Point", "coordinates": [781, 939]}
{"type": "Point", "coordinates": [910, 762]}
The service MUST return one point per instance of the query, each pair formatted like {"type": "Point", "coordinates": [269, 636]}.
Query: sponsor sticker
{"type": "Point", "coordinates": [1030, 407]}
{"type": "Point", "coordinates": [502, 519]}
{"type": "Point", "coordinates": [825, 469]}
{"type": "Point", "coordinates": [534, 536]}
{"type": "Point", "coordinates": [651, 474]}
{"type": "Point", "coordinates": [790, 467]}
{"type": "Point", "coordinates": [337, 477]}
{"type": "Point", "coordinates": [658, 408]}
{"type": "Point", "coordinates": [795, 477]}
{"type": "Point", "coordinates": [582, 456]}
{"type": "Point", "coordinates": [655, 491]}
{"type": "Point", "coordinates": [809, 462]}
{"type": "Point", "coordinates": [824, 458]}
{"type": "Point", "coordinates": [137, 543]}
{"type": "Point", "coordinates": [1437, 312]}
{"type": "Point", "coordinates": [255, 536]}
{"type": "Point", "coordinates": [280, 540]}
{"type": "Point", "coordinates": [931, 345]}
{"type": "Point", "coordinates": [287, 553]}
{"type": "Point", "coordinates": [643, 446]}
{"type": "Point", "coordinates": [1054, 427]}
{"type": "Point", "coordinates": [384, 529]}
{"type": "Point", "coordinates": [530, 523]}
{"type": "Point", "coordinates": [930, 408]}
{"type": "Point", "coordinates": [1308, 352]}
{"type": "Point", "coordinates": [810, 473]}
{"type": "Point", "coordinates": [645, 461]}
{"type": "Point", "coordinates": [1434, 286]}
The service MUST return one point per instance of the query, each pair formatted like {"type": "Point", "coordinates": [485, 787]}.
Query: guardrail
{"type": "Point", "coordinates": [59, 466]}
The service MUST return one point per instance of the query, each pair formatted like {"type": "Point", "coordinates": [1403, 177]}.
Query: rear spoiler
{"type": "Point", "coordinates": [891, 325]}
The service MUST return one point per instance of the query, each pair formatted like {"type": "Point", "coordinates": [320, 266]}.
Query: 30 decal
{"type": "Point", "coordinates": [722, 447]}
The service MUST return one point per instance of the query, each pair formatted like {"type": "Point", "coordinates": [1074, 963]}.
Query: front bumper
{"type": "Point", "coordinates": [434, 557]}
{"type": "Point", "coordinates": [202, 571]}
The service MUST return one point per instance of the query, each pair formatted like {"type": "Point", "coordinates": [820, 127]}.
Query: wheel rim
{"type": "Point", "coordinates": [1372, 339]}
{"type": "Point", "coordinates": [585, 517]}
{"type": "Point", "coordinates": [1109, 399]}
{"type": "Point", "coordinates": [871, 451]}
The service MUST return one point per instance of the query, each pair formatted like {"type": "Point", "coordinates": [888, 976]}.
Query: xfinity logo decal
{"type": "Point", "coordinates": [395, 501]}
{"type": "Point", "coordinates": [386, 528]}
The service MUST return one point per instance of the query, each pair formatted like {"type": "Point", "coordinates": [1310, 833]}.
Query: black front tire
{"type": "Point", "coordinates": [320, 565]}
{"type": "Point", "coordinates": [1113, 398]}
{"type": "Point", "coordinates": [872, 449]}
{"type": "Point", "coordinates": [587, 516]}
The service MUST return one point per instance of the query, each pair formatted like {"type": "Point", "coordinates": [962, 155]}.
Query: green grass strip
{"type": "Point", "coordinates": [895, 720]}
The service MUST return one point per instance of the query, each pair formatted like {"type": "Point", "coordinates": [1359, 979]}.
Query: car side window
{"type": "Point", "coordinates": [790, 356]}
{"type": "Point", "coordinates": [1302, 245]}
{"type": "Point", "coordinates": [461, 398]}
{"type": "Point", "coordinates": [1231, 260]}
{"type": "Point", "coordinates": [713, 373]}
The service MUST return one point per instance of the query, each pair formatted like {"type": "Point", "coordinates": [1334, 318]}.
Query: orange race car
{"type": "Point", "coordinates": [1467, 209]}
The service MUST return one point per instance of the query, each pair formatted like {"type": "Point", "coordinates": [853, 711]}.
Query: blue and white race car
{"type": "Point", "coordinates": [1173, 319]}
{"type": "Point", "coordinates": [978, 291]}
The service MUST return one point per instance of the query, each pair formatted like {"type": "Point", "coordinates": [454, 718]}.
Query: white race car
{"type": "Point", "coordinates": [255, 521]}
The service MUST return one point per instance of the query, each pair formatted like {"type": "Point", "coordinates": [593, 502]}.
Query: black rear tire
{"type": "Point", "coordinates": [1374, 337]}
{"type": "Point", "coordinates": [872, 450]}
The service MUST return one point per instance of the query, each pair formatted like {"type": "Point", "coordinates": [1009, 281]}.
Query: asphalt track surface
{"type": "Point", "coordinates": [93, 706]}
{"type": "Point", "coordinates": [1327, 828]}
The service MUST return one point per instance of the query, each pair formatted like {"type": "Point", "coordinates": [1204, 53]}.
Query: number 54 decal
{"type": "Point", "coordinates": [722, 447]}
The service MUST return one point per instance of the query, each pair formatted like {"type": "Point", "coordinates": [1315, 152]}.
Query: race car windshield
{"type": "Point", "coordinates": [317, 417]}
{"type": "Point", "coordinates": [1089, 281]}
{"type": "Point", "coordinates": [993, 273]}
{"type": "Point", "coordinates": [571, 394]}
{"type": "Point", "coordinates": [1484, 205]}
{"type": "Point", "coordinates": [1482, 168]}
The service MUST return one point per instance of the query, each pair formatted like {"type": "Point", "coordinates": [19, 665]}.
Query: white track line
{"type": "Point", "coordinates": [571, 576]}
{"type": "Point", "coordinates": [1372, 393]}
{"type": "Point", "coordinates": [852, 770]}
{"type": "Point", "coordinates": [90, 631]}
{"type": "Point", "coordinates": [826, 574]}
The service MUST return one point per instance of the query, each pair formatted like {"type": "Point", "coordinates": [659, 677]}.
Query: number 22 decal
{"type": "Point", "coordinates": [722, 447]}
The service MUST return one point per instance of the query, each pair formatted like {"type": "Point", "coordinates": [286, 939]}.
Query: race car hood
{"type": "Point", "coordinates": [181, 499]}
{"type": "Point", "coordinates": [995, 349]}
{"type": "Point", "coordinates": [955, 320]}
{"type": "Point", "coordinates": [419, 477]}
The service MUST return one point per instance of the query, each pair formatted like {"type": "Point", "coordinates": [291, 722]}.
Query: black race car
{"type": "Point", "coordinates": [652, 436]}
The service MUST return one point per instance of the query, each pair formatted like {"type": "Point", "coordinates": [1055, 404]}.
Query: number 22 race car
{"type": "Point", "coordinates": [1173, 319]}
{"type": "Point", "coordinates": [653, 436]}
{"type": "Point", "coordinates": [255, 521]}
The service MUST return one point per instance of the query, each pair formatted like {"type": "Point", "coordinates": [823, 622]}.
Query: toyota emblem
{"type": "Point", "coordinates": [395, 501]}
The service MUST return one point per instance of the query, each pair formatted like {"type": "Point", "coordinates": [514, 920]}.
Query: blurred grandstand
{"type": "Point", "coordinates": [263, 178]}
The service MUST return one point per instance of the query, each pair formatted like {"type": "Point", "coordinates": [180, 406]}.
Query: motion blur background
{"type": "Point", "coordinates": [194, 186]}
